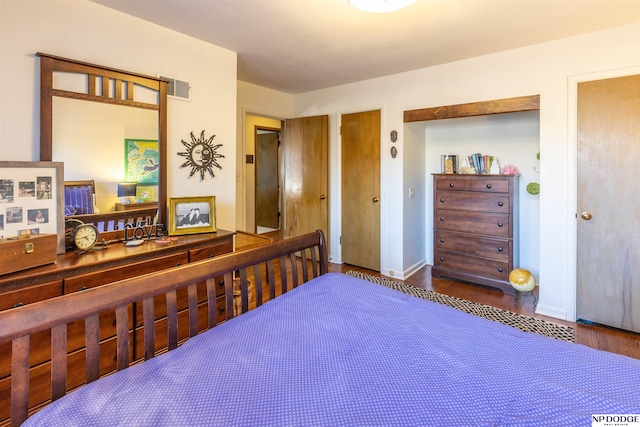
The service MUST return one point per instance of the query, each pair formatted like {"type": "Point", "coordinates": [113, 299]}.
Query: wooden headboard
{"type": "Point", "coordinates": [83, 183]}
{"type": "Point", "coordinates": [79, 199]}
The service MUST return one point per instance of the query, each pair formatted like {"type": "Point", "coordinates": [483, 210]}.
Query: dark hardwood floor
{"type": "Point", "coordinates": [596, 336]}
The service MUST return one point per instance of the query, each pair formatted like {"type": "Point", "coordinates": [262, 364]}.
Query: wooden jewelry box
{"type": "Point", "coordinates": [21, 253]}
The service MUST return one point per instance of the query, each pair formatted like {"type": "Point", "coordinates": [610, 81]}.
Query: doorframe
{"type": "Point", "coordinates": [335, 184]}
{"type": "Point", "coordinates": [241, 152]}
{"type": "Point", "coordinates": [572, 180]}
{"type": "Point", "coordinates": [256, 129]}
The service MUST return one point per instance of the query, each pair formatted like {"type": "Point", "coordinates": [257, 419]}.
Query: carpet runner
{"type": "Point", "coordinates": [519, 321]}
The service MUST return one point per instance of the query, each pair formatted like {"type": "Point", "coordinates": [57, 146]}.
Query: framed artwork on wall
{"type": "Point", "coordinates": [32, 200]}
{"type": "Point", "coordinates": [190, 215]}
{"type": "Point", "coordinates": [141, 161]}
{"type": "Point", "coordinates": [146, 194]}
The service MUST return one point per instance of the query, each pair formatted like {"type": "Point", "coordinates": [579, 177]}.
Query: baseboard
{"type": "Point", "coordinates": [551, 312]}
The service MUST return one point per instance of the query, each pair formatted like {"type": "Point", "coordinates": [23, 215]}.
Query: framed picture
{"type": "Point", "coordinates": [32, 199]}
{"type": "Point", "coordinates": [141, 161]}
{"type": "Point", "coordinates": [190, 215]}
{"type": "Point", "coordinates": [146, 193]}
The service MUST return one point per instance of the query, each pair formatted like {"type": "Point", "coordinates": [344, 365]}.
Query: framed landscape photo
{"type": "Point", "coordinates": [190, 215]}
{"type": "Point", "coordinates": [32, 200]}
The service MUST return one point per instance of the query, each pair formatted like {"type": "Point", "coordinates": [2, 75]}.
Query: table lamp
{"type": "Point", "coordinates": [127, 192]}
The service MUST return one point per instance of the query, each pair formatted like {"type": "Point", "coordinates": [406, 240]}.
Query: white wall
{"type": "Point", "coordinates": [79, 29]}
{"type": "Point", "coordinates": [418, 214]}
{"type": "Point", "coordinates": [543, 69]}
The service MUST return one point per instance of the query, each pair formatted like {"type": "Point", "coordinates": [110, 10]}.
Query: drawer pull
{"type": "Point", "coordinates": [500, 224]}
{"type": "Point", "coordinates": [441, 240]}
{"type": "Point", "coordinates": [221, 309]}
{"type": "Point", "coordinates": [500, 249]}
{"type": "Point", "coordinates": [488, 185]}
{"type": "Point", "coordinates": [178, 264]}
{"type": "Point", "coordinates": [212, 255]}
{"type": "Point", "coordinates": [18, 304]}
{"type": "Point", "coordinates": [451, 184]}
{"type": "Point", "coordinates": [500, 269]}
{"type": "Point", "coordinates": [84, 288]}
{"type": "Point", "coordinates": [500, 204]}
{"type": "Point", "coordinates": [221, 283]}
{"type": "Point", "coordinates": [441, 218]}
{"type": "Point", "coordinates": [441, 258]}
{"type": "Point", "coordinates": [442, 200]}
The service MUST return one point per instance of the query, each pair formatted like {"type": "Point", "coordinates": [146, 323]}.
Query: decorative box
{"type": "Point", "coordinates": [21, 253]}
{"type": "Point", "coordinates": [449, 163]}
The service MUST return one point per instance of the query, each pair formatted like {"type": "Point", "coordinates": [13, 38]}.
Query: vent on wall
{"type": "Point", "coordinates": [178, 89]}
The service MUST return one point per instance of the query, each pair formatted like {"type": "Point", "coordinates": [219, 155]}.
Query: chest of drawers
{"type": "Point", "coordinates": [476, 228]}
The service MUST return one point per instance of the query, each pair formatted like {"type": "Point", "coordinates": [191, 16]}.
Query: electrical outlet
{"type": "Point", "coordinates": [392, 273]}
{"type": "Point", "coordinates": [412, 192]}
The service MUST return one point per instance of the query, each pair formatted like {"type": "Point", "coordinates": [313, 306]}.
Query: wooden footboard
{"type": "Point", "coordinates": [278, 268]}
{"type": "Point", "coordinates": [110, 221]}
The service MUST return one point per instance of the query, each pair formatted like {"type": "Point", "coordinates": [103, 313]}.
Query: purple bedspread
{"type": "Point", "coordinates": [340, 351]}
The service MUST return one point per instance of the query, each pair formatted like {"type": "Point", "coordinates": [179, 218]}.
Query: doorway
{"type": "Point", "coordinates": [360, 238]}
{"type": "Point", "coordinates": [302, 174]}
{"type": "Point", "coordinates": [267, 170]}
{"type": "Point", "coordinates": [248, 161]}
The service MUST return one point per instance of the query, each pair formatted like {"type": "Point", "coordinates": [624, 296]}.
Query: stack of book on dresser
{"type": "Point", "coordinates": [482, 163]}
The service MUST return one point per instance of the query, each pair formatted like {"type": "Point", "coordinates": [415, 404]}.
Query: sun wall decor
{"type": "Point", "coordinates": [201, 155]}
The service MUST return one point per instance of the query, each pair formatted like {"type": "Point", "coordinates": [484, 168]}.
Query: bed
{"type": "Point", "coordinates": [329, 350]}
{"type": "Point", "coordinates": [80, 204]}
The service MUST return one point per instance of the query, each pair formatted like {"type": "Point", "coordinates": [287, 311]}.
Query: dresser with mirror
{"type": "Point", "coordinates": [79, 102]}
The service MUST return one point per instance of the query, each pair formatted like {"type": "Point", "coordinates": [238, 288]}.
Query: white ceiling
{"type": "Point", "coordinates": [296, 46]}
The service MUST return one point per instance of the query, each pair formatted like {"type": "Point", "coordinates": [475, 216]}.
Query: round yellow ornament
{"type": "Point", "coordinates": [522, 280]}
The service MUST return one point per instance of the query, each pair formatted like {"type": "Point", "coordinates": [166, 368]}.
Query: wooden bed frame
{"type": "Point", "coordinates": [280, 267]}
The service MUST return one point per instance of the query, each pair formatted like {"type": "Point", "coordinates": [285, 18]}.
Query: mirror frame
{"type": "Point", "coordinates": [49, 64]}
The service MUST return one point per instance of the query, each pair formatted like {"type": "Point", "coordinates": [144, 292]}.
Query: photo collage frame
{"type": "Point", "coordinates": [31, 199]}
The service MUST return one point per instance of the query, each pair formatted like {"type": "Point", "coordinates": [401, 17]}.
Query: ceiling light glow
{"type": "Point", "coordinates": [380, 6]}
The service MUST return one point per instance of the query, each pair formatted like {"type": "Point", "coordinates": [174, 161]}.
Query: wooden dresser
{"type": "Point", "coordinates": [135, 205]}
{"type": "Point", "coordinates": [476, 228]}
{"type": "Point", "coordinates": [74, 273]}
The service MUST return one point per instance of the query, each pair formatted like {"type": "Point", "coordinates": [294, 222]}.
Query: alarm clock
{"type": "Point", "coordinates": [84, 237]}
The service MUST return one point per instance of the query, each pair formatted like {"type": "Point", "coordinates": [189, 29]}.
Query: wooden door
{"type": "Point", "coordinates": [361, 189]}
{"type": "Point", "coordinates": [267, 206]}
{"type": "Point", "coordinates": [608, 228]}
{"type": "Point", "coordinates": [305, 150]}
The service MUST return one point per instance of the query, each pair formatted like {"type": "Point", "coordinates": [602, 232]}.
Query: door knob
{"type": "Point", "coordinates": [586, 215]}
{"type": "Point", "coordinates": [375, 200]}
{"type": "Point", "coordinates": [322, 197]}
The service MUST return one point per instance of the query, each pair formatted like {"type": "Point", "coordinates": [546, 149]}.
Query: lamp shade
{"type": "Point", "coordinates": [127, 189]}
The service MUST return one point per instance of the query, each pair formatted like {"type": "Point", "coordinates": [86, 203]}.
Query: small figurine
{"type": "Point", "coordinates": [495, 167]}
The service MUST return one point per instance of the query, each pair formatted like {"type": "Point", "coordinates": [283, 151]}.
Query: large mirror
{"type": "Point", "coordinates": [95, 119]}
